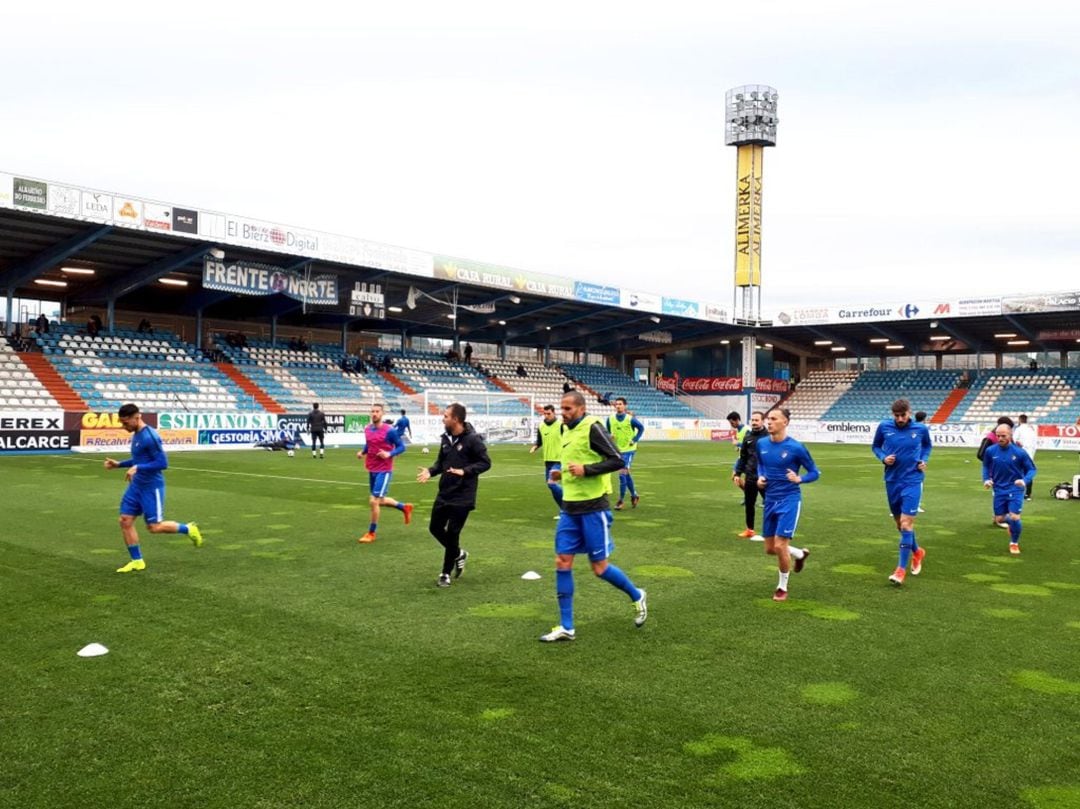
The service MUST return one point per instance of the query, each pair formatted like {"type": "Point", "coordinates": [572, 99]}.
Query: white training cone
{"type": "Point", "coordinates": [530, 575]}
{"type": "Point", "coordinates": [92, 650]}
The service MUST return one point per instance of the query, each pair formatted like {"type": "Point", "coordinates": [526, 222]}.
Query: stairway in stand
{"type": "Point", "coordinates": [952, 401]}
{"type": "Point", "coordinates": [433, 410]}
{"type": "Point", "coordinates": [55, 384]}
{"type": "Point", "coordinates": [268, 403]}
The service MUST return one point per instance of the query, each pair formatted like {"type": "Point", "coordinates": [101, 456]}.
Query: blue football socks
{"type": "Point", "coordinates": [612, 575]}
{"type": "Point", "coordinates": [564, 591]}
{"type": "Point", "coordinates": [907, 546]}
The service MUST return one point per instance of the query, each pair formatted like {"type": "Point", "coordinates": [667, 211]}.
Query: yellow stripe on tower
{"type": "Point", "coordinates": [748, 215]}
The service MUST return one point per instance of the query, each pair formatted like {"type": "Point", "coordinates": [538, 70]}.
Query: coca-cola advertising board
{"type": "Point", "coordinates": [771, 385]}
{"type": "Point", "coordinates": [711, 384]}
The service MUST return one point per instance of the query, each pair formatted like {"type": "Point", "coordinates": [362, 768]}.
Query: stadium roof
{"type": "Point", "coordinates": [130, 244]}
{"type": "Point", "coordinates": [128, 264]}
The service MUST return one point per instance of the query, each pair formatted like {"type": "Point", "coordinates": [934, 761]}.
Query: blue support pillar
{"type": "Point", "coordinates": [198, 329]}
{"type": "Point", "coordinates": [110, 315]}
{"type": "Point", "coordinates": [273, 331]}
{"type": "Point", "coordinates": [10, 304]}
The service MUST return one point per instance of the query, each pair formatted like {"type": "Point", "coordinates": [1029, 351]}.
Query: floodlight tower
{"type": "Point", "coordinates": [750, 125]}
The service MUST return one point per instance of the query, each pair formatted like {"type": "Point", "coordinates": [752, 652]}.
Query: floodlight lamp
{"type": "Point", "coordinates": [217, 252]}
{"type": "Point", "coordinates": [515, 299]}
{"type": "Point", "coordinates": [654, 318]}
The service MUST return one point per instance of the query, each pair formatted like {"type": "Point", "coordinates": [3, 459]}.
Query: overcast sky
{"type": "Point", "coordinates": [926, 149]}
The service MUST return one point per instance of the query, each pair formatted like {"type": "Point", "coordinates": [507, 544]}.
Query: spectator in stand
{"type": "Point", "coordinates": [145, 327]}
{"type": "Point", "coordinates": [1033, 365]}
{"type": "Point", "coordinates": [93, 326]}
{"type": "Point", "coordinates": [42, 324]}
{"type": "Point", "coordinates": [521, 370]}
{"type": "Point", "coordinates": [468, 353]}
{"type": "Point", "coordinates": [567, 387]}
{"type": "Point", "coordinates": [964, 381]}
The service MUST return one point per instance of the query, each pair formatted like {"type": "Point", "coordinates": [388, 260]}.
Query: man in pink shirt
{"type": "Point", "coordinates": [381, 444]}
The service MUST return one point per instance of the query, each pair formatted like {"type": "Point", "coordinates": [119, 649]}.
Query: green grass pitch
{"type": "Point", "coordinates": [283, 665]}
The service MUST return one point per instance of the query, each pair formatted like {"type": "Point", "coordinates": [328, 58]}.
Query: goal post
{"type": "Point", "coordinates": [500, 416]}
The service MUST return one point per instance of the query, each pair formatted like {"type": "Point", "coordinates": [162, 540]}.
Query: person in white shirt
{"type": "Point", "coordinates": [1026, 437]}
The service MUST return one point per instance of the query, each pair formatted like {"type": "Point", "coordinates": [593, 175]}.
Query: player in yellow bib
{"type": "Point", "coordinates": [549, 442]}
{"type": "Point", "coordinates": [588, 457]}
{"type": "Point", "coordinates": [626, 431]}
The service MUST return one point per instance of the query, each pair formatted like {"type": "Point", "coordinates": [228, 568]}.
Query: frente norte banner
{"type": "Point", "coordinates": [249, 278]}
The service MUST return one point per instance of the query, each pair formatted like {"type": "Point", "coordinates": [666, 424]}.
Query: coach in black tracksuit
{"type": "Point", "coordinates": [316, 424]}
{"type": "Point", "coordinates": [747, 465]}
{"type": "Point", "coordinates": [462, 459]}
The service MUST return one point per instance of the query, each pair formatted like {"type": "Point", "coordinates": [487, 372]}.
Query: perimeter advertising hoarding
{"type": "Point", "coordinates": [504, 278]}
{"type": "Point", "coordinates": [680, 308]}
{"type": "Point", "coordinates": [157, 216]}
{"type": "Point", "coordinates": [30, 194]}
{"type": "Point", "coordinates": [185, 220]}
{"type": "Point", "coordinates": [270, 236]}
{"type": "Point", "coordinates": [102, 420]}
{"type": "Point", "coordinates": [595, 293]}
{"type": "Point", "coordinates": [120, 440]}
{"type": "Point", "coordinates": [7, 188]}
{"type": "Point", "coordinates": [96, 205]}
{"type": "Point", "coordinates": [899, 310]}
{"type": "Point", "coordinates": [388, 257]}
{"type": "Point", "coordinates": [1059, 436]}
{"type": "Point", "coordinates": [335, 423]}
{"type": "Point", "coordinates": [641, 301]}
{"type": "Point", "coordinates": [1051, 302]}
{"type": "Point", "coordinates": [218, 421]}
{"type": "Point", "coordinates": [36, 431]}
{"type": "Point", "coordinates": [127, 212]}
{"type": "Point", "coordinates": [64, 201]}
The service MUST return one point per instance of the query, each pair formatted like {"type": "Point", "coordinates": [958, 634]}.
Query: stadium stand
{"type": "Point", "coordinates": [20, 388]}
{"type": "Point", "coordinates": [156, 373]}
{"type": "Point", "coordinates": [642, 400]}
{"type": "Point", "coordinates": [298, 379]}
{"type": "Point", "coordinates": [543, 383]}
{"type": "Point", "coordinates": [872, 393]}
{"type": "Point", "coordinates": [427, 371]}
{"type": "Point", "coordinates": [1051, 395]}
{"type": "Point", "coordinates": [818, 392]}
